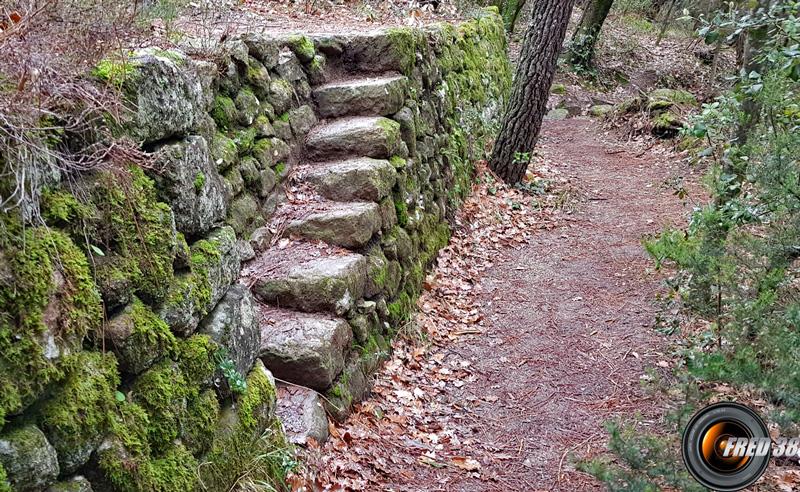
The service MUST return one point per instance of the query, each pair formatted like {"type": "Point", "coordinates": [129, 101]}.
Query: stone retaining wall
{"type": "Point", "coordinates": [301, 189]}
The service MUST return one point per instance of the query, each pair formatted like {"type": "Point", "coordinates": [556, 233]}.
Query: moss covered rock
{"type": "Point", "coordinates": [49, 302]}
{"type": "Point", "coordinates": [30, 462]}
{"type": "Point", "coordinates": [138, 337]}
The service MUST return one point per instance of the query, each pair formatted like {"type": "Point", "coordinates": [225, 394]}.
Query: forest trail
{"type": "Point", "coordinates": [566, 337]}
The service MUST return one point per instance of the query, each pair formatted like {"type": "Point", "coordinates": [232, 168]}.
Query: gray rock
{"type": "Point", "coordinates": [246, 251]}
{"type": "Point", "coordinates": [317, 284]}
{"type": "Point", "coordinates": [305, 349]}
{"type": "Point", "coordinates": [354, 179]}
{"type": "Point", "coordinates": [258, 77]}
{"type": "Point", "coordinates": [244, 215]}
{"type": "Point", "coordinates": [289, 67]}
{"type": "Point", "coordinates": [380, 51]}
{"type": "Point", "coordinates": [261, 239]}
{"type": "Point", "coordinates": [30, 461]}
{"type": "Point", "coordinates": [167, 94]}
{"type": "Point", "coordinates": [351, 387]}
{"type": "Point", "coordinates": [133, 335]}
{"type": "Point", "coordinates": [601, 110]}
{"type": "Point", "coordinates": [350, 225]}
{"type": "Point", "coordinates": [189, 181]}
{"type": "Point", "coordinates": [74, 484]}
{"type": "Point", "coordinates": [316, 70]}
{"type": "Point", "coordinates": [283, 129]}
{"type": "Point", "coordinates": [271, 151]}
{"type": "Point", "coordinates": [215, 266]}
{"type": "Point", "coordinates": [302, 415]}
{"type": "Point", "coordinates": [268, 182]}
{"type": "Point", "coordinates": [302, 119]}
{"type": "Point", "coordinates": [280, 95]}
{"type": "Point", "coordinates": [360, 135]}
{"type": "Point", "coordinates": [248, 107]}
{"type": "Point", "coordinates": [376, 96]}
{"type": "Point", "coordinates": [234, 325]}
{"type": "Point", "coordinates": [263, 48]}
{"type": "Point", "coordinates": [249, 170]}
{"type": "Point", "coordinates": [408, 128]}
{"type": "Point", "coordinates": [557, 114]}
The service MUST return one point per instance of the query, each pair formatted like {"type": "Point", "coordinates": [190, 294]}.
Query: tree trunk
{"type": "Point", "coordinates": [585, 37]}
{"type": "Point", "coordinates": [528, 102]}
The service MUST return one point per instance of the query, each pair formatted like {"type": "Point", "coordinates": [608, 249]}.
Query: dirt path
{"type": "Point", "coordinates": [566, 336]}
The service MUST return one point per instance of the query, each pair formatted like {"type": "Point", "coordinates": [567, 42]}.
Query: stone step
{"type": "Point", "coordinates": [373, 96]}
{"type": "Point", "coordinates": [355, 179]}
{"type": "Point", "coordinates": [349, 224]}
{"type": "Point", "coordinates": [302, 414]}
{"type": "Point", "coordinates": [302, 348]}
{"type": "Point", "coordinates": [355, 136]}
{"type": "Point", "coordinates": [308, 277]}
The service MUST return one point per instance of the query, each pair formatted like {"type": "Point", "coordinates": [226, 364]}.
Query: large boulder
{"type": "Point", "coordinates": [188, 180]}
{"type": "Point", "coordinates": [164, 89]}
{"type": "Point", "coordinates": [31, 463]}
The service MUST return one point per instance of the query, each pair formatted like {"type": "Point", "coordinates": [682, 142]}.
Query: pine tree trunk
{"type": "Point", "coordinates": [585, 37]}
{"type": "Point", "coordinates": [528, 102]}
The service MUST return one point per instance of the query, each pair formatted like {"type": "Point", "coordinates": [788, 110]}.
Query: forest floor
{"type": "Point", "coordinates": [538, 328]}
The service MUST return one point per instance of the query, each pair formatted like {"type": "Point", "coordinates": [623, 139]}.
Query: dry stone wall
{"type": "Point", "coordinates": [302, 186]}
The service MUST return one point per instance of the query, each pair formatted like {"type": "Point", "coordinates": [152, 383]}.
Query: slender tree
{"type": "Point", "coordinates": [585, 37]}
{"type": "Point", "coordinates": [528, 102]}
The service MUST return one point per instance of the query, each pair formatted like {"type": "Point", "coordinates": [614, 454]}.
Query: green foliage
{"type": "Point", "coordinates": [235, 380]}
{"type": "Point", "coordinates": [644, 462]}
{"type": "Point", "coordinates": [738, 262]}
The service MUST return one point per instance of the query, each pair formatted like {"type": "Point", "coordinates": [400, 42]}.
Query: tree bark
{"type": "Point", "coordinates": [585, 36]}
{"type": "Point", "coordinates": [528, 102]}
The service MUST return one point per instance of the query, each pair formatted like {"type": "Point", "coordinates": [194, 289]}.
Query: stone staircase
{"type": "Point", "coordinates": [319, 329]}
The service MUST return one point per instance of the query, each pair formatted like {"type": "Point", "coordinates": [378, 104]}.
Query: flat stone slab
{"type": "Point", "coordinates": [302, 414]}
{"type": "Point", "coordinates": [308, 277]}
{"type": "Point", "coordinates": [350, 225]}
{"type": "Point", "coordinates": [373, 96]}
{"type": "Point", "coordinates": [301, 348]}
{"type": "Point", "coordinates": [353, 137]}
{"type": "Point", "coordinates": [356, 179]}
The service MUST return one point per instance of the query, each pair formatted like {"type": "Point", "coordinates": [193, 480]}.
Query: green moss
{"type": "Point", "coordinates": [302, 46]}
{"type": "Point", "coordinates": [560, 89]}
{"type": "Point", "coordinates": [249, 447]}
{"type": "Point", "coordinates": [150, 339]}
{"type": "Point", "coordinates": [199, 181]}
{"type": "Point", "coordinates": [404, 49]}
{"type": "Point", "coordinates": [4, 485]}
{"type": "Point", "coordinates": [401, 309]}
{"type": "Point", "coordinates": [196, 358]}
{"type": "Point", "coordinates": [255, 407]}
{"type": "Point", "coordinates": [245, 140]}
{"type": "Point", "coordinates": [224, 112]}
{"type": "Point", "coordinates": [61, 207]}
{"type": "Point", "coordinates": [127, 220]}
{"type": "Point", "coordinates": [398, 162]}
{"type": "Point", "coordinates": [115, 71]}
{"type": "Point", "coordinates": [29, 259]}
{"type": "Point", "coordinates": [175, 469]}
{"type": "Point", "coordinates": [224, 151]}
{"type": "Point", "coordinates": [199, 425]}
{"type": "Point", "coordinates": [78, 410]}
{"type": "Point", "coordinates": [401, 210]}
{"type": "Point", "coordinates": [162, 392]}
{"type": "Point", "coordinates": [284, 117]}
